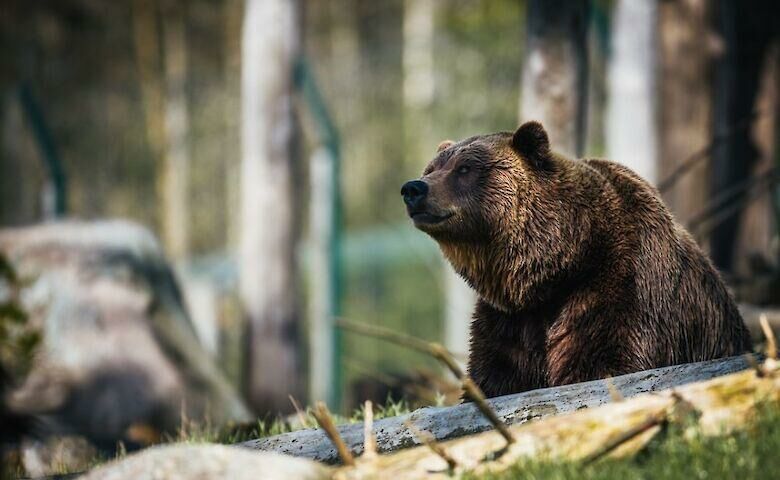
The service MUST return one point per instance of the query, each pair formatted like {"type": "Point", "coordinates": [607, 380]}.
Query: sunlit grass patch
{"type": "Point", "coordinates": [748, 454]}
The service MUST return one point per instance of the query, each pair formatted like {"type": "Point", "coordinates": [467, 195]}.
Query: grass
{"type": "Point", "coordinates": [194, 432]}
{"type": "Point", "coordinates": [753, 453]}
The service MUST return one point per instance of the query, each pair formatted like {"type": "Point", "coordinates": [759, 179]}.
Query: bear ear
{"type": "Point", "coordinates": [531, 142]}
{"type": "Point", "coordinates": [444, 146]}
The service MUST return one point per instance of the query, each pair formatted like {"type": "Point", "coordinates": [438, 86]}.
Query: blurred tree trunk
{"type": "Point", "coordinates": [747, 28]}
{"type": "Point", "coordinates": [163, 81]}
{"type": "Point", "coordinates": [147, 54]}
{"type": "Point", "coordinates": [233, 14]}
{"type": "Point", "coordinates": [757, 240]}
{"type": "Point", "coordinates": [21, 173]}
{"type": "Point", "coordinates": [554, 77]}
{"type": "Point", "coordinates": [418, 28]}
{"type": "Point", "coordinates": [419, 22]}
{"type": "Point", "coordinates": [684, 109]}
{"type": "Point", "coordinates": [269, 235]}
{"type": "Point", "coordinates": [631, 128]}
{"type": "Point", "coordinates": [175, 176]}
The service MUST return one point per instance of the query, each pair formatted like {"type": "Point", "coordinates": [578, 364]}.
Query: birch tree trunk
{"type": "Point", "coordinates": [631, 128]}
{"type": "Point", "coordinates": [269, 227]}
{"type": "Point", "coordinates": [419, 23]}
{"type": "Point", "coordinates": [165, 112]}
{"type": "Point", "coordinates": [554, 76]}
{"type": "Point", "coordinates": [175, 178]}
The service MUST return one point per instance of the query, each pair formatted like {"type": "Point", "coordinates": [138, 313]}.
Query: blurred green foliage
{"type": "Point", "coordinates": [81, 61]}
{"type": "Point", "coordinates": [18, 339]}
{"type": "Point", "coordinates": [357, 51]}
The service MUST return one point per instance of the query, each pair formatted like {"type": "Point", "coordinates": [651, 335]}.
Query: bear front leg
{"type": "Point", "coordinates": [506, 353]}
{"type": "Point", "coordinates": [592, 346]}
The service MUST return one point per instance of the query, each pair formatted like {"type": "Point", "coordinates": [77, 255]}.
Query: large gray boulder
{"type": "Point", "coordinates": [119, 354]}
{"type": "Point", "coordinates": [209, 462]}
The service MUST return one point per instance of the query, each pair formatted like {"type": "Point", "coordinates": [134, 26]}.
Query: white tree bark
{"type": "Point", "coordinates": [268, 236]}
{"type": "Point", "coordinates": [460, 300]}
{"type": "Point", "coordinates": [418, 29]}
{"type": "Point", "coordinates": [631, 128]}
{"type": "Point", "coordinates": [554, 76]}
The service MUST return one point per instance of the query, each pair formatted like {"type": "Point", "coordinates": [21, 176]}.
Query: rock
{"type": "Point", "coordinates": [206, 462]}
{"type": "Point", "coordinates": [55, 455]}
{"type": "Point", "coordinates": [119, 353]}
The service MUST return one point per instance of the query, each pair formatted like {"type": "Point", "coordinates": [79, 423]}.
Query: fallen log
{"type": "Point", "coordinates": [714, 407]}
{"type": "Point", "coordinates": [451, 422]}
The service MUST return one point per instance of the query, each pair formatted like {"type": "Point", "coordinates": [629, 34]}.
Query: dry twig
{"type": "Point", "coordinates": [427, 439]}
{"type": "Point", "coordinates": [369, 441]}
{"type": "Point", "coordinates": [299, 412]}
{"type": "Point", "coordinates": [431, 348]}
{"type": "Point", "coordinates": [472, 391]}
{"type": "Point", "coordinates": [323, 417]}
{"type": "Point", "coordinates": [751, 360]}
{"type": "Point", "coordinates": [651, 421]}
{"type": "Point", "coordinates": [476, 395]}
{"type": "Point", "coordinates": [614, 393]}
{"type": "Point", "coordinates": [771, 342]}
{"type": "Point", "coordinates": [704, 153]}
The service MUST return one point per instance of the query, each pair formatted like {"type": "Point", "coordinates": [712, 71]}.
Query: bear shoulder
{"type": "Point", "coordinates": [637, 195]}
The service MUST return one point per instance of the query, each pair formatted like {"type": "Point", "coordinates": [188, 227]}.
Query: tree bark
{"type": "Point", "coordinates": [554, 77]}
{"type": "Point", "coordinates": [631, 127]}
{"type": "Point", "coordinates": [269, 233]}
{"type": "Point", "coordinates": [20, 167]}
{"type": "Point", "coordinates": [684, 117]}
{"type": "Point", "coordinates": [165, 111]}
{"type": "Point", "coordinates": [450, 422]}
{"type": "Point", "coordinates": [747, 29]}
{"type": "Point", "coordinates": [175, 177]}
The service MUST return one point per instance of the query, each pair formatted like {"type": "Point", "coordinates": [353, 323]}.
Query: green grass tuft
{"type": "Point", "coordinates": [750, 454]}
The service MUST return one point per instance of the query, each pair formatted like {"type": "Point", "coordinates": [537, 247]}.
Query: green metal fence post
{"type": "Point", "coordinates": [307, 86]}
{"type": "Point", "coordinates": [45, 141]}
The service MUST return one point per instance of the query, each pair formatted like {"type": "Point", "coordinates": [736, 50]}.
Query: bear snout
{"type": "Point", "coordinates": [414, 192]}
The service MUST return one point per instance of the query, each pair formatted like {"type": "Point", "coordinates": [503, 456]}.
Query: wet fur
{"type": "Point", "coordinates": [581, 271]}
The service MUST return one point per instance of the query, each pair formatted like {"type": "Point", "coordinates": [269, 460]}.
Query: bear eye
{"type": "Point", "coordinates": [464, 169]}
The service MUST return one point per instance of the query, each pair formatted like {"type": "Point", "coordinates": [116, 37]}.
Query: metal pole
{"type": "Point", "coordinates": [306, 85]}
{"type": "Point", "coordinates": [51, 158]}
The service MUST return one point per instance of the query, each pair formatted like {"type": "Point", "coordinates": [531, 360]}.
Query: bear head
{"type": "Point", "coordinates": [492, 202]}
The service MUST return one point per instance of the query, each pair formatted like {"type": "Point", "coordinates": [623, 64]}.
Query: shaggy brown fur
{"type": "Point", "coordinates": [581, 271]}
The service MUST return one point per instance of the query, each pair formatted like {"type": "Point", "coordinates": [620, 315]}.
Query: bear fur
{"type": "Point", "coordinates": [581, 271]}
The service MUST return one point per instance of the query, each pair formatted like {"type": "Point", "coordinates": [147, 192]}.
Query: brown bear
{"type": "Point", "coordinates": [581, 271]}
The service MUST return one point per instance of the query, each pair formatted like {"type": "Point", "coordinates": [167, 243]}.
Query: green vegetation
{"type": "Point", "coordinates": [18, 340]}
{"type": "Point", "coordinates": [749, 454]}
{"type": "Point", "coordinates": [677, 454]}
{"type": "Point", "coordinates": [194, 432]}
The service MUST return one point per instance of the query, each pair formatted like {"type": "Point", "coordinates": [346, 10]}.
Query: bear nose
{"type": "Point", "coordinates": [414, 192]}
